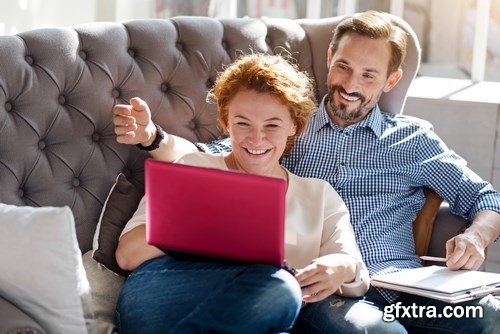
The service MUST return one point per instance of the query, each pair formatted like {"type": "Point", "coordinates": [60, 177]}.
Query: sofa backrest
{"type": "Point", "coordinates": [58, 87]}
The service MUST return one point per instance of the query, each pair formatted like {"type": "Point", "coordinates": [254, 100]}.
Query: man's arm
{"type": "Point", "coordinates": [466, 251]}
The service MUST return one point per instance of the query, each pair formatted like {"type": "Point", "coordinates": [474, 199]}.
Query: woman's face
{"type": "Point", "coordinates": [259, 125]}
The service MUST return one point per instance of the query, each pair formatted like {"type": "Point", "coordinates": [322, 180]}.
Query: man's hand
{"type": "Point", "coordinates": [133, 124]}
{"type": "Point", "coordinates": [324, 276]}
{"type": "Point", "coordinates": [464, 251]}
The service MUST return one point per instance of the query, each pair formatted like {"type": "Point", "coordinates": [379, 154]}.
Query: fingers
{"type": "Point", "coordinates": [463, 253]}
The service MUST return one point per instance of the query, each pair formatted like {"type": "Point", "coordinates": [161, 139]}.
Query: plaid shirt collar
{"type": "Point", "coordinates": [373, 120]}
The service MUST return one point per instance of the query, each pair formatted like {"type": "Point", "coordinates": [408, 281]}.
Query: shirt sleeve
{"type": "Point", "coordinates": [447, 173]}
{"type": "Point", "coordinates": [338, 237]}
{"type": "Point", "coordinates": [139, 217]}
{"type": "Point", "coordinates": [215, 147]}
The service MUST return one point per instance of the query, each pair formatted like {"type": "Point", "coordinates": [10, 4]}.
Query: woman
{"type": "Point", "coordinates": [263, 104]}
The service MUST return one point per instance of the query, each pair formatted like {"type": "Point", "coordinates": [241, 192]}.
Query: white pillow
{"type": "Point", "coordinates": [41, 269]}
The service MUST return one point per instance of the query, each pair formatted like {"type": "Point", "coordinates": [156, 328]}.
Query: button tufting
{"type": "Point", "coordinates": [61, 99]}
{"type": "Point", "coordinates": [29, 60]}
{"type": "Point", "coordinates": [209, 83]}
{"type": "Point", "coordinates": [41, 144]}
{"type": "Point", "coordinates": [164, 87]}
{"type": "Point", "coordinates": [193, 125]}
{"type": "Point", "coordinates": [20, 192]}
{"type": "Point", "coordinates": [268, 40]}
{"type": "Point", "coordinates": [75, 182]}
{"type": "Point", "coordinates": [127, 173]}
{"type": "Point", "coordinates": [82, 54]}
{"type": "Point", "coordinates": [95, 136]}
{"type": "Point", "coordinates": [8, 106]}
{"type": "Point", "coordinates": [115, 93]}
{"type": "Point", "coordinates": [224, 45]}
{"type": "Point", "coordinates": [131, 52]}
{"type": "Point", "coordinates": [180, 46]}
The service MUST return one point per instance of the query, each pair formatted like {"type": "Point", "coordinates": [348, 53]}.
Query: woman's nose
{"type": "Point", "coordinates": [256, 136]}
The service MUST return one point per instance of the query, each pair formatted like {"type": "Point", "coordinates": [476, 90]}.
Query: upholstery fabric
{"type": "Point", "coordinates": [14, 320]}
{"type": "Point", "coordinates": [105, 288]}
{"type": "Point", "coordinates": [58, 87]}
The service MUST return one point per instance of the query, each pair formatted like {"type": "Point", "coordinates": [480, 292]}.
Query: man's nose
{"type": "Point", "coordinates": [351, 84]}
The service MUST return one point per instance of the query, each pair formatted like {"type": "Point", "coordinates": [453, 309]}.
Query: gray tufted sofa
{"type": "Point", "coordinates": [58, 87]}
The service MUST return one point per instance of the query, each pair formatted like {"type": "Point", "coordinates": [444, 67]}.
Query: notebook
{"type": "Point", "coordinates": [215, 213]}
{"type": "Point", "coordinates": [441, 283]}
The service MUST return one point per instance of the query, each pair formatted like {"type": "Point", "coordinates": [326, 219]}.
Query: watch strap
{"type": "Point", "coordinates": [160, 134]}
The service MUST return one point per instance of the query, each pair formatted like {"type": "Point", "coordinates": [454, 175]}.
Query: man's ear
{"type": "Point", "coordinates": [393, 80]}
{"type": "Point", "coordinates": [329, 58]}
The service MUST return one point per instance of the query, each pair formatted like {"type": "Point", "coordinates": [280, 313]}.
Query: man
{"type": "Point", "coordinates": [380, 164]}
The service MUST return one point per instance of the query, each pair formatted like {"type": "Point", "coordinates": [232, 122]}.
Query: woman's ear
{"type": "Point", "coordinates": [293, 131]}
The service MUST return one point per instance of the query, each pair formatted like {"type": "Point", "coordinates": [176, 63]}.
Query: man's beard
{"type": "Point", "coordinates": [341, 111]}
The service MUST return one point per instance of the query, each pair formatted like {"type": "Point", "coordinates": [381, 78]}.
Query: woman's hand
{"type": "Point", "coordinates": [133, 124]}
{"type": "Point", "coordinates": [324, 276]}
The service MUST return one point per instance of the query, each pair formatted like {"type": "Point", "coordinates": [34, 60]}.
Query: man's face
{"type": "Point", "coordinates": [357, 77]}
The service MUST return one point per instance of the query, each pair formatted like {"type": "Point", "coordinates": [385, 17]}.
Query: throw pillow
{"type": "Point", "coordinates": [42, 272]}
{"type": "Point", "coordinates": [119, 207]}
{"type": "Point", "coordinates": [105, 286]}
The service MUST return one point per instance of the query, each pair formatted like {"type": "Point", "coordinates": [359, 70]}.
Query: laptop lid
{"type": "Point", "coordinates": [217, 213]}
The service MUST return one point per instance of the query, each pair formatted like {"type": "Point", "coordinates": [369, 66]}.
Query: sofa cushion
{"type": "Point", "coordinates": [105, 286]}
{"type": "Point", "coordinates": [14, 320]}
{"type": "Point", "coordinates": [120, 205]}
{"type": "Point", "coordinates": [42, 271]}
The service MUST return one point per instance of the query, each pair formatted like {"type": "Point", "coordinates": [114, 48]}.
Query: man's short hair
{"type": "Point", "coordinates": [374, 25]}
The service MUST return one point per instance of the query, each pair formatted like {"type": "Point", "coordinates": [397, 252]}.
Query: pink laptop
{"type": "Point", "coordinates": [215, 213]}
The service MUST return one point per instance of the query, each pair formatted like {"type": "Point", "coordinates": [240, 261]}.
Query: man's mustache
{"type": "Point", "coordinates": [341, 90]}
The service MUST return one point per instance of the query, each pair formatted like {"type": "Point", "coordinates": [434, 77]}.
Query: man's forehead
{"type": "Point", "coordinates": [358, 50]}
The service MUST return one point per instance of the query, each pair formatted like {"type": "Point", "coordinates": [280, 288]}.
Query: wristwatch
{"type": "Point", "coordinates": [160, 135]}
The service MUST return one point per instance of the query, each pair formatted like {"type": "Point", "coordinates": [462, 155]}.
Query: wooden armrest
{"type": "Point", "coordinates": [422, 226]}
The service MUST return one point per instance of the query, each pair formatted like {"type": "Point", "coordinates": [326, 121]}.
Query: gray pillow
{"type": "Point", "coordinates": [42, 272]}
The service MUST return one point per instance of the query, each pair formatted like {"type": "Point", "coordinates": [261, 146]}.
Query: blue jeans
{"type": "Point", "coordinates": [365, 315]}
{"type": "Point", "coordinates": [165, 295]}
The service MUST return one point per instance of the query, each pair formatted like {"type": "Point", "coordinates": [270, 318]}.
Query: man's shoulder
{"type": "Point", "coordinates": [405, 122]}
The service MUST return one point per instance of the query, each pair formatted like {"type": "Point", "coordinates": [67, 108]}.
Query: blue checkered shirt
{"type": "Point", "coordinates": [380, 167]}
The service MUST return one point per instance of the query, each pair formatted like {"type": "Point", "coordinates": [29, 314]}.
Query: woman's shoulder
{"type": "Point", "coordinates": [203, 160]}
{"type": "Point", "coordinates": [310, 186]}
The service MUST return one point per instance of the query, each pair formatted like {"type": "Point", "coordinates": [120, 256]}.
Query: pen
{"type": "Point", "coordinates": [433, 258]}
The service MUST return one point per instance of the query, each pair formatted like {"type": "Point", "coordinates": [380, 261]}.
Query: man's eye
{"type": "Point", "coordinates": [342, 67]}
{"type": "Point", "coordinates": [368, 76]}
{"type": "Point", "coordinates": [272, 125]}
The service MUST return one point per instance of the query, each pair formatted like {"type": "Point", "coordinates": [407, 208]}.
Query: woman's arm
{"type": "Point", "coordinates": [133, 249]}
{"type": "Point", "coordinates": [133, 125]}
{"type": "Point", "coordinates": [339, 268]}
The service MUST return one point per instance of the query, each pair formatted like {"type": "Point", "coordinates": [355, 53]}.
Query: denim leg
{"type": "Point", "coordinates": [341, 315]}
{"type": "Point", "coordinates": [165, 295]}
{"type": "Point", "coordinates": [457, 322]}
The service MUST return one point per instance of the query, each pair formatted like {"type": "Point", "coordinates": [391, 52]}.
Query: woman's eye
{"type": "Point", "coordinates": [272, 125]}
{"type": "Point", "coordinates": [242, 124]}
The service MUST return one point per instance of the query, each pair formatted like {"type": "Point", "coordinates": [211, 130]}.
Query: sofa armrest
{"type": "Point", "coordinates": [445, 227]}
{"type": "Point", "coordinates": [14, 320]}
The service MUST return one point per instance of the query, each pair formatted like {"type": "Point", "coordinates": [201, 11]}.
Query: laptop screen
{"type": "Point", "coordinates": [216, 213]}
